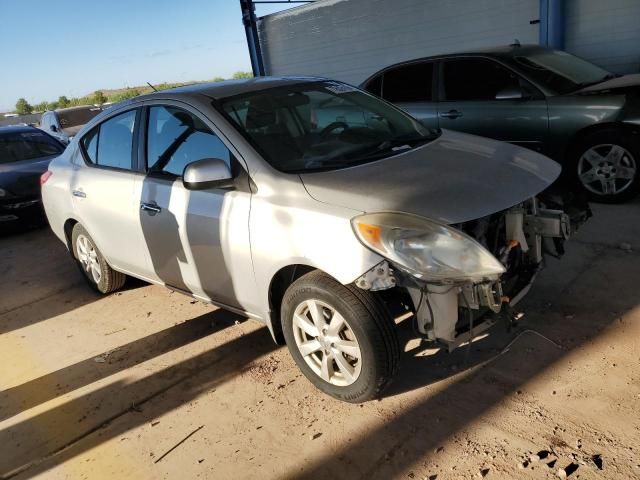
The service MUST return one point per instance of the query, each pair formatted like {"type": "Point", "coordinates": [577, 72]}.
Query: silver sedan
{"type": "Point", "coordinates": [313, 207]}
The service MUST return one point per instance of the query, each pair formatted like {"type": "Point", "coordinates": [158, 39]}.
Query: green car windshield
{"type": "Point", "coordinates": [560, 71]}
{"type": "Point", "coordinates": [323, 125]}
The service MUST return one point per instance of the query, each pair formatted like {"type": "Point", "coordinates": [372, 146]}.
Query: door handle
{"type": "Point", "coordinates": [79, 194]}
{"type": "Point", "coordinates": [150, 208]}
{"type": "Point", "coordinates": [451, 114]}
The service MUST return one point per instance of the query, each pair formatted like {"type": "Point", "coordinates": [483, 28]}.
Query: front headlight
{"type": "Point", "coordinates": [427, 249]}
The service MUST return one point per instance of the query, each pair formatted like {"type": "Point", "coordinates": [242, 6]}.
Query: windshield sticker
{"type": "Point", "coordinates": [338, 88]}
{"type": "Point", "coordinates": [31, 134]}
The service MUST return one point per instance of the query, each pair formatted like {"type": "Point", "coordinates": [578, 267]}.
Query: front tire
{"type": "Point", "coordinates": [605, 165]}
{"type": "Point", "coordinates": [341, 337]}
{"type": "Point", "coordinates": [92, 264]}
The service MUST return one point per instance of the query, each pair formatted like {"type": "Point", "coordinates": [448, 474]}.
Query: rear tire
{"type": "Point", "coordinates": [92, 264]}
{"type": "Point", "coordinates": [605, 165]}
{"type": "Point", "coordinates": [341, 337]}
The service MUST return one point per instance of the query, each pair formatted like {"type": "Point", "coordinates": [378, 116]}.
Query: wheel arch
{"type": "Point", "coordinates": [585, 132]}
{"type": "Point", "coordinates": [68, 231]}
{"type": "Point", "coordinates": [280, 281]}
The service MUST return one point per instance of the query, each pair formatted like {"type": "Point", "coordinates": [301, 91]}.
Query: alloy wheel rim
{"type": "Point", "coordinates": [607, 169]}
{"type": "Point", "coordinates": [88, 258]}
{"type": "Point", "coordinates": [327, 343]}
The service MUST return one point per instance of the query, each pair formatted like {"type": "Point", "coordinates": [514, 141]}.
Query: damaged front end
{"type": "Point", "coordinates": [461, 279]}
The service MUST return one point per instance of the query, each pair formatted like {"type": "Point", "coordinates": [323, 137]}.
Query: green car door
{"type": "Point", "coordinates": [480, 96]}
{"type": "Point", "coordinates": [410, 87]}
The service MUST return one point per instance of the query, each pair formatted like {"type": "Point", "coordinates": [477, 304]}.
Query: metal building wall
{"type": "Point", "coordinates": [350, 39]}
{"type": "Point", "coordinates": [605, 32]}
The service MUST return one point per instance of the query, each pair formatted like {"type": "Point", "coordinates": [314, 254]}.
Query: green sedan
{"type": "Point", "coordinates": [547, 100]}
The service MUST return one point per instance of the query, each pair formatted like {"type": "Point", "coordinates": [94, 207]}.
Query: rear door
{"type": "Point", "coordinates": [195, 238]}
{"type": "Point", "coordinates": [106, 189]}
{"type": "Point", "coordinates": [410, 87]}
{"type": "Point", "coordinates": [470, 91]}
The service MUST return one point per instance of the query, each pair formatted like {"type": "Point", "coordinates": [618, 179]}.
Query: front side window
{"type": "Point", "coordinates": [19, 146]}
{"type": "Point", "coordinates": [469, 79]}
{"type": "Point", "coordinates": [322, 125]}
{"type": "Point", "coordinates": [110, 144]}
{"type": "Point", "coordinates": [408, 83]}
{"type": "Point", "coordinates": [176, 138]}
{"type": "Point", "coordinates": [560, 71]}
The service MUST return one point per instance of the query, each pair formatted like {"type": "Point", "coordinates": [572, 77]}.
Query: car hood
{"type": "Point", "coordinates": [22, 178]}
{"type": "Point", "coordinates": [453, 179]}
{"type": "Point", "coordinates": [625, 82]}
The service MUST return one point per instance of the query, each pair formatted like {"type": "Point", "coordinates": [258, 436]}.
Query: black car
{"type": "Point", "coordinates": [547, 100]}
{"type": "Point", "coordinates": [25, 153]}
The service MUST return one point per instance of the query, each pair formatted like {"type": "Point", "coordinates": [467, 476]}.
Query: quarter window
{"type": "Point", "coordinates": [408, 83]}
{"type": "Point", "coordinates": [176, 138]}
{"type": "Point", "coordinates": [110, 144]}
{"type": "Point", "coordinates": [476, 79]}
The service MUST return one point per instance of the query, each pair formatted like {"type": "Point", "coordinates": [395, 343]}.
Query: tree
{"type": "Point", "coordinates": [23, 107]}
{"type": "Point", "coordinates": [240, 75]}
{"type": "Point", "coordinates": [63, 101]}
{"type": "Point", "coordinates": [40, 107]}
{"type": "Point", "coordinates": [52, 105]}
{"type": "Point", "coordinates": [218, 79]}
{"type": "Point", "coordinates": [99, 98]}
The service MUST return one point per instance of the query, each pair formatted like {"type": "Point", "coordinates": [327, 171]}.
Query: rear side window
{"type": "Point", "coordinates": [476, 79]}
{"type": "Point", "coordinates": [176, 138]}
{"type": "Point", "coordinates": [408, 83]}
{"type": "Point", "coordinates": [110, 144]}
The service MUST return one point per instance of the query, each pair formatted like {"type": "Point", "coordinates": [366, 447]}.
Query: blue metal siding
{"type": "Point", "coordinates": [351, 39]}
{"type": "Point", "coordinates": [605, 32]}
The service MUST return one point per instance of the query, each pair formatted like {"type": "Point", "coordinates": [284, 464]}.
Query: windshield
{"type": "Point", "coordinates": [561, 71]}
{"type": "Point", "coordinates": [18, 146]}
{"type": "Point", "coordinates": [322, 125]}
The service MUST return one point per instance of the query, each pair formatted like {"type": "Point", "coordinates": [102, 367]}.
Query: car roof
{"type": "Point", "coordinates": [230, 88]}
{"type": "Point", "coordinates": [505, 52]}
{"type": "Point", "coordinates": [17, 129]}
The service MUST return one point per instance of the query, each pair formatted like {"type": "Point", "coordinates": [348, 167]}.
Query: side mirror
{"type": "Point", "coordinates": [207, 173]}
{"type": "Point", "coordinates": [53, 128]}
{"type": "Point", "coordinates": [511, 93]}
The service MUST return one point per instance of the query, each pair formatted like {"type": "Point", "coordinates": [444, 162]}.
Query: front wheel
{"type": "Point", "coordinates": [606, 166]}
{"type": "Point", "coordinates": [341, 337]}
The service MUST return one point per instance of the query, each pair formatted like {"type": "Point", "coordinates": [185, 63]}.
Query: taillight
{"type": "Point", "coordinates": [45, 176]}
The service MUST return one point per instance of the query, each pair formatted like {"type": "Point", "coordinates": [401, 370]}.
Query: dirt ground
{"type": "Point", "coordinates": [151, 384]}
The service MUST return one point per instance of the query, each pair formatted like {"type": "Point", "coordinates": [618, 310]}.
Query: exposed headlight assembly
{"type": "Point", "coordinates": [429, 250]}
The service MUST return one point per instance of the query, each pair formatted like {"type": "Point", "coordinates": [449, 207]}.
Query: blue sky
{"type": "Point", "coordinates": [74, 47]}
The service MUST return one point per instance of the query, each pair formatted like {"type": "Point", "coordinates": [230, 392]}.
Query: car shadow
{"type": "Point", "coordinates": [34, 392]}
{"type": "Point", "coordinates": [194, 376]}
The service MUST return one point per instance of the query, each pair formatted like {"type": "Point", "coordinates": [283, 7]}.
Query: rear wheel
{"type": "Point", "coordinates": [606, 164]}
{"type": "Point", "coordinates": [94, 267]}
{"type": "Point", "coordinates": [341, 337]}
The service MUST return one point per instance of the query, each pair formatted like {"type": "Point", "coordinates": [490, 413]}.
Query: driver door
{"type": "Point", "coordinates": [470, 91]}
{"type": "Point", "coordinates": [190, 235]}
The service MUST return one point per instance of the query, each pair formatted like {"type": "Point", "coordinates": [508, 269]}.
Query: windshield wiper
{"type": "Point", "coordinates": [370, 153]}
